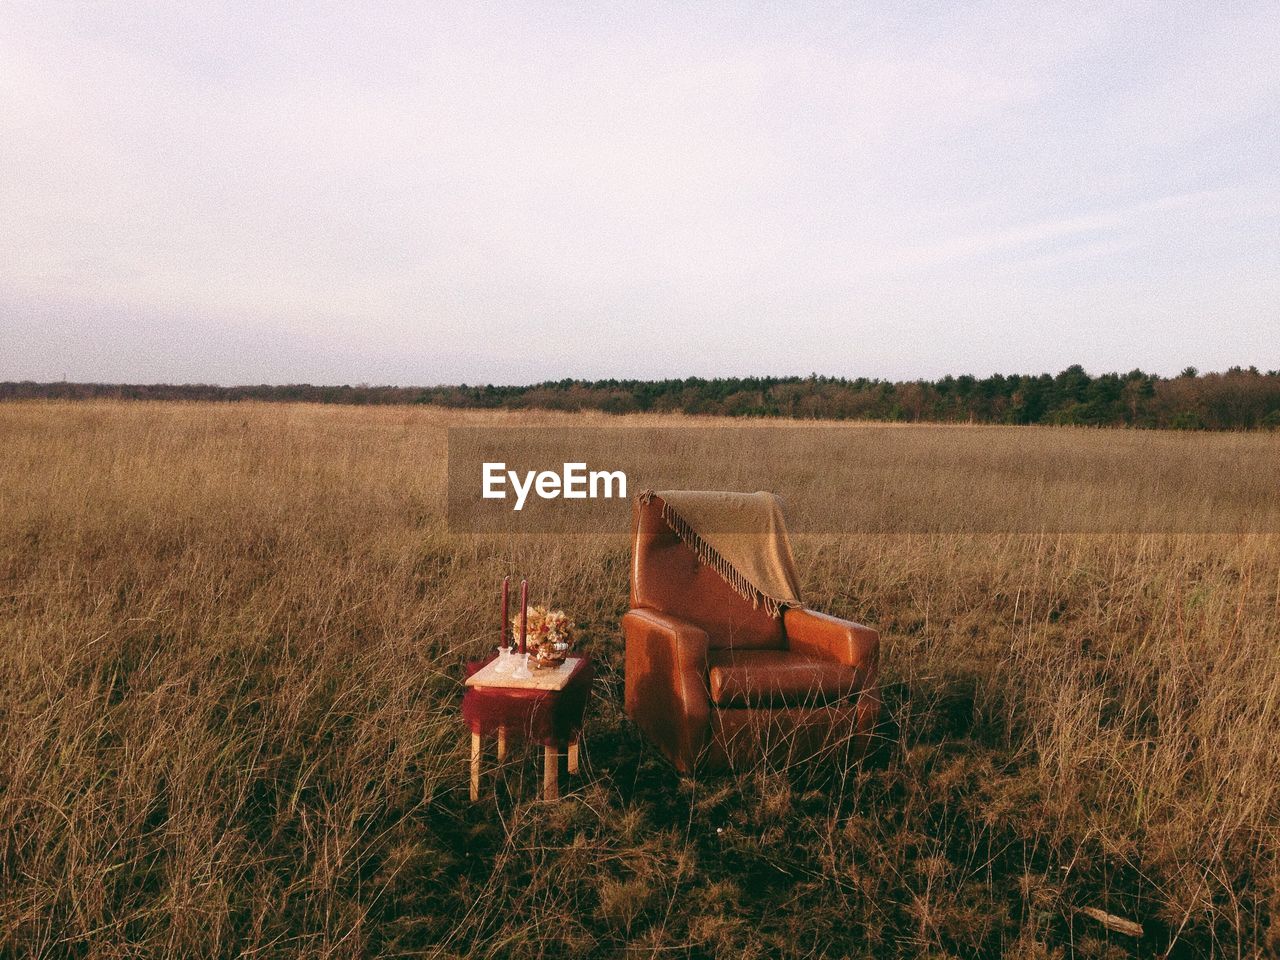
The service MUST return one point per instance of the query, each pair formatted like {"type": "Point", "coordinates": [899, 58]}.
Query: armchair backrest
{"type": "Point", "coordinates": [667, 576]}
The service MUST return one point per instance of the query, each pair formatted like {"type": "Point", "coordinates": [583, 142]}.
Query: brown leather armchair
{"type": "Point", "coordinates": [715, 682]}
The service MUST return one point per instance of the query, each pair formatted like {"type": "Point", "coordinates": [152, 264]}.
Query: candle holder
{"type": "Point", "coordinates": [521, 671]}
{"type": "Point", "coordinates": [505, 662]}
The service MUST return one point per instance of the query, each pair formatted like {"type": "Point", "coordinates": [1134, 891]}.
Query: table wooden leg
{"type": "Point", "coordinates": [475, 767]}
{"type": "Point", "coordinates": [502, 743]}
{"type": "Point", "coordinates": [551, 772]}
{"type": "Point", "coordinates": [573, 757]}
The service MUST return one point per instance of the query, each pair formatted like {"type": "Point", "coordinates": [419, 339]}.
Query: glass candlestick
{"type": "Point", "coordinates": [522, 671]}
{"type": "Point", "coordinates": [505, 662]}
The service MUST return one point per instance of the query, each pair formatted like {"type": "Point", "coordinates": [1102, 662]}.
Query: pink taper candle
{"type": "Point", "coordinates": [524, 612]}
{"type": "Point", "coordinates": [502, 624]}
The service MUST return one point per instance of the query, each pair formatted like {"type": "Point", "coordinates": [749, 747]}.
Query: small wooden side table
{"type": "Point", "coordinates": [547, 707]}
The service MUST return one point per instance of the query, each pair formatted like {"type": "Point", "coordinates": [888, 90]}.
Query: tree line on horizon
{"type": "Point", "coordinates": [1237, 399]}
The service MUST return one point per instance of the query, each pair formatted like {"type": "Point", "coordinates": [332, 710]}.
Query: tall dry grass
{"type": "Point", "coordinates": [230, 647]}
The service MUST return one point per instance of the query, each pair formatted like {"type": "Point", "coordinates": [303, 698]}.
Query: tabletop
{"type": "Point", "coordinates": [556, 678]}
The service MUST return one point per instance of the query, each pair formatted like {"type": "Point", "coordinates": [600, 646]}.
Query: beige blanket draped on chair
{"type": "Point", "coordinates": [742, 536]}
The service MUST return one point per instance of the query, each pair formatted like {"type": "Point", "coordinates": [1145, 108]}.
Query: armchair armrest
{"type": "Point", "coordinates": [820, 635]}
{"type": "Point", "coordinates": [666, 683]}
{"type": "Point", "coordinates": [831, 638]}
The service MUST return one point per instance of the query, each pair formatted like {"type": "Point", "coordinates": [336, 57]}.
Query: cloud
{"type": "Point", "coordinates": [408, 190]}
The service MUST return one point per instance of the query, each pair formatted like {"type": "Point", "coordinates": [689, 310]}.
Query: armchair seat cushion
{"type": "Point", "coordinates": [765, 678]}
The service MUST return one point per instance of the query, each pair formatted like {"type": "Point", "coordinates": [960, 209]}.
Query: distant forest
{"type": "Point", "coordinates": [1239, 399]}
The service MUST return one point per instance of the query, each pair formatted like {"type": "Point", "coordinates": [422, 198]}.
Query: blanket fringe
{"type": "Point", "coordinates": [711, 557]}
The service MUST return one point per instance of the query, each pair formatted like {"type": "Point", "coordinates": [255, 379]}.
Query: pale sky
{"type": "Point", "coordinates": [421, 193]}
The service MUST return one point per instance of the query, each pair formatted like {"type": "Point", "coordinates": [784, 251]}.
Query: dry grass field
{"type": "Point", "coordinates": [231, 640]}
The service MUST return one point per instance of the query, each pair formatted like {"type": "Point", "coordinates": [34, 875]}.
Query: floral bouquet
{"type": "Point", "coordinates": [550, 636]}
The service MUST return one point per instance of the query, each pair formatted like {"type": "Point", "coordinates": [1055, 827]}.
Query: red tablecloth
{"type": "Point", "coordinates": [552, 717]}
